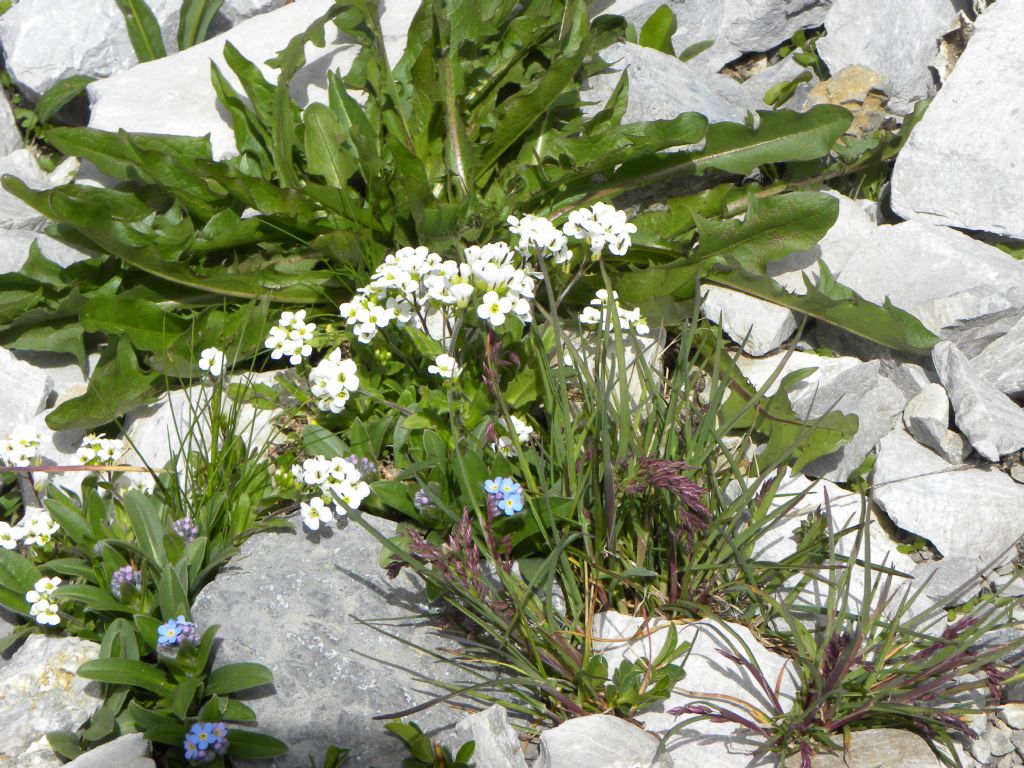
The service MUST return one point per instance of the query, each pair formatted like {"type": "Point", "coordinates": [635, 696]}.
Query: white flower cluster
{"type": "Point", "coordinates": [21, 447]}
{"type": "Point", "coordinates": [332, 380]}
{"type": "Point", "coordinates": [413, 286]}
{"type": "Point", "coordinates": [290, 337]}
{"type": "Point", "coordinates": [337, 481]}
{"type": "Point", "coordinates": [539, 237]}
{"type": "Point", "coordinates": [524, 433]}
{"type": "Point", "coordinates": [42, 608]}
{"type": "Point", "coordinates": [599, 226]}
{"type": "Point", "coordinates": [96, 450]}
{"type": "Point", "coordinates": [35, 528]}
{"type": "Point", "coordinates": [597, 314]}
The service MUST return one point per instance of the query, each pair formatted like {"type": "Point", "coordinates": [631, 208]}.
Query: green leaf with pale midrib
{"type": "Point", "coordinates": [194, 21]}
{"type": "Point", "coordinates": [772, 229]}
{"type": "Point", "coordinates": [143, 30]}
{"type": "Point", "coordinates": [835, 304]}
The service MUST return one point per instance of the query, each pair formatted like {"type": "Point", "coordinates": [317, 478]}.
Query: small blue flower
{"type": "Point", "coordinates": [168, 634]}
{"type": "Point", "coordinates": [493, 486]}
{"type": "Point", "coordinates": [508, 485]}
{"type": "Point", "coordinates": [205, 741]}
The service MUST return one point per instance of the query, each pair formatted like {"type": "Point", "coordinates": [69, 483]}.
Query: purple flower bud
{"type": "Point", "coordinates": [125, 579]}
{"type": "Point", "coordinates": [186, 529]}
{"type": "Point", "coordinates": [367, 468]}
{"type": "Point", "coordinates": [421, 501]}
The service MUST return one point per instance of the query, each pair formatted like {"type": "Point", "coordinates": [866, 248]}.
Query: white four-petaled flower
{"type": "Point", "coordinates": [211, 360]}
{"type": "Point", "coordinates": [445, 366]}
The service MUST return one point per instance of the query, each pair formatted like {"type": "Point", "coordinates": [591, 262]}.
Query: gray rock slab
{"type": "Point", "coordinates": [926, 417]}
{"type": "Point", "coordinates": [920, 268]}
{"type": "Point", "coordinates": [15, 244]}
{"type": "Point", "coordinates": [599, 740]}
{"type": "Point", "coordinates": [759, 327]}
{"type": "Point", "coordinates": [128, 751]}
{"type": "Point", "coordinates": [741, 26]}
{"type": "Point", "coordinates": [716, 745]}
{"type": "Point", "coordinates": [237, 11]}
{"type": "Point", "coordinates": [45, 41]}
{"type": "Point", "coordinates": [759, 371]}
{"type": "Point", "coordinates": [914, 265]}
{"type": "Point", "coordinates": [807, 497]}
{"type": "Point", "coordinates": [663, 87]}
{"type": "Point", "coordinates": [41, 692]}
{"type": "Point", "coordinates": [10, 136]}
{"type": "Point", "coordinates": [784, 71]}
{"type": "Point", "coordinates": [972, 319]}
{"type": "Point", "coordinates": [964, 163]}
{"type": "Point", "coordinates": [175, 95]}
{"type": "Point", "coordinates": [877, 748]}
{"type": "Point", "coordinates": [924, 495]}
{"type": "Point", "coordinates": [497, 745]}
{"type": "Point", "coordinates": [992, 422]}
{"type": "Point", "coordinates": [292, 604]}
{"type": "Point", "coordinates": [14, 214]}
{"type": "Point", "coordinates": [861, 391]}
{"type": "Point", "coordinates": [899, 40]}
{"type": "Point", "coordinates": [8, 622]}
{"type": "Point", "coordinates": [26, 391]}
{"type": "Point", "coordinates": [911, 378]}
{"type": "Point", "coordinates": [155, 434]}
{"type": "Point", "coordinates": [949, 581]}
{"type": "Point", "coordinates": [1012, 713]}
{"type": "Point", "coordinates": [1001, 363]}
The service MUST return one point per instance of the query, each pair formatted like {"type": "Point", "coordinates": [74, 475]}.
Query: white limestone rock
{"type": "Point", "coordinates": [14, 214]}
{"type": "Point", "coordinates": [899, 40]}
{"type": "Point", "coordinates": [26, 391]}
{"type": "Point", "coordinates": [758, 371]}
{"type": "Point", "coordinates": [41, 692]}
{"type": "Point", "coordinates": [974, 318]}
{"type": "Point", "coordinates": [921, 269]}
{"type": "Point", "coordinates": [179, 423]}
{"type": "Point", "coordinates": [15, 245]}
{"type": "Point", "coordinates": [876, 748]}
{"type": "Point", "coordinates": [10, 136]}
{"type": "Point", "coordinates": [598, 740]}
{"type": "Point", "coordinates": [742, 26]}
{"type": "Point", "coordinates": [759, 327]}
{"type": "Point", "coordinates": [317, 608]}
{"type": "Point", "coordinates": [950, 581]}
{"type": "Point", "coordinates": [497, 745]}
{"type": "Point", "coordinates": [992, 422]}
{"type": "Point", "coordinates": [964, 163]}
{"type": "Point", "coordinates": [662, 87]}
{"type": "Point", "coordinates": [713, 745]}
{"type": "Point", "coordinates": [128, 751]}
{"type": "Point", "coordinates": [924, 495]}
{"type": "Point", "coordinates": [1001, 363]}
{"type": "Point", "coordinates": [806, 498]}
{"type": "Point", "coordinates": [926, 417]}
{"type": "Point", "coordinates": [237, 11]}
{"type": "Point", "coordinates": [862, 391]}
{"type": "Point", "coordinates": [174, 94]}
{"type": "Point", "coordinates": [45, 41]}
{"type": "Point", "coordinates": [911, 379]}
{"type": "Point", "coordinates": [784, 71]}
